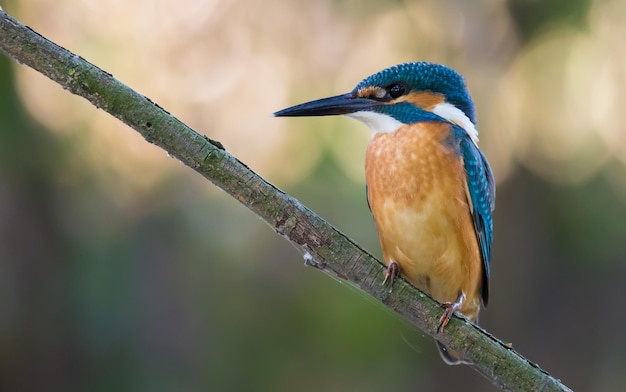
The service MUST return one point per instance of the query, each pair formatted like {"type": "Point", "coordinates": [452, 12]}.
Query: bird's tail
{"type": "Point", "coordinates": [451, 357]}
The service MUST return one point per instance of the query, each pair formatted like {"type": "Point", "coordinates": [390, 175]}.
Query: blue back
{"type": "Point", "coordinates": [482, 191]}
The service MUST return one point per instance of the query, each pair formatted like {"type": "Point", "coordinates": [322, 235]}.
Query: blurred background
{"type": "Point", "coordinates": [121, 269]}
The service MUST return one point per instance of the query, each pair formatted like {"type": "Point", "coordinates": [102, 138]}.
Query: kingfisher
{"type": "Point", "coordinates": [430, 189]}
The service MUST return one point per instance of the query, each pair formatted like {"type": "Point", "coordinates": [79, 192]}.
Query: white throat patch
{"type": "Point", "coordinates": [456, 116]}
{"type": "Point", "coordinates": [377, 122]}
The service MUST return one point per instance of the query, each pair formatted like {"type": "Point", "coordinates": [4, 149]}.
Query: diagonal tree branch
{"type": "Point", "coordinates": [324, 247]}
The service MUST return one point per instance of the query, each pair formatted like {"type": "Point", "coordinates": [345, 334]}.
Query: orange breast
{"type": "Point", "coordinates": [417, 193]}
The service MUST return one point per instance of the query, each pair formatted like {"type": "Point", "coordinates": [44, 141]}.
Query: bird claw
{"type": "Point", "coordinates": [451, 307]}
{"type": "Point", "coordinates": [445, 318]}
{"type": "Point", "coordinates": [392, 271]}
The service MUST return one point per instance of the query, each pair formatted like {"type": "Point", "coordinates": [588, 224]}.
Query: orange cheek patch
{"type": "Point", "coordinates": [423, 99]}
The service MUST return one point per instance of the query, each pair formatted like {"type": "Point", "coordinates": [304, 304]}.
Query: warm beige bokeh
{"type": "Point", "coordinates": [224, 66]}
{"type": "Point", "coordinates": [561, 98]}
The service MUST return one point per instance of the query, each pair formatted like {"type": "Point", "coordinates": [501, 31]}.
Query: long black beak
{"type": "Point", "coordinates": [340, 104]}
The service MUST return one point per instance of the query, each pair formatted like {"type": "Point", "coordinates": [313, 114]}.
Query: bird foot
{"type": "Point", "coordinates": [451, 307]}
{"type": "Point", "coordinates": [393, 270]}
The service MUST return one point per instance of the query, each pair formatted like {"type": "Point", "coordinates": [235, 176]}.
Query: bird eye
{"type": "Point", "coordinates": [396, 90]}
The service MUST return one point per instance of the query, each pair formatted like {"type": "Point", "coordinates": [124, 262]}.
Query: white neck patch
{"type": "Point", "coordinates": [377, 122]}
{"type": "Point", "coordinates": [456, 116]}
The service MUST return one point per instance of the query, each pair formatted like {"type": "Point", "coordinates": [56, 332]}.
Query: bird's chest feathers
{"type": "Point", "coordinates": [417, 193]}
{"type": "Point", "coordinates": [417, 162]}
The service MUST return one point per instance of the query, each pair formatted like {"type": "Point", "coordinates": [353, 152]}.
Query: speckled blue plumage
{"type": "Point", "coordinates": [423, 76]}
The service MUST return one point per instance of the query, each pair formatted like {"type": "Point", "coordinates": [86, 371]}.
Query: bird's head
{"type": "Point", "coordinates": [403, 94]}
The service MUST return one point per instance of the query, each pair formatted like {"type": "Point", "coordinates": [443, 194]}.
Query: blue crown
{"type": "Point", "coordinates": [424, 76]}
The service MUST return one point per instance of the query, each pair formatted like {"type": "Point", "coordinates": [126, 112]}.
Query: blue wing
{"type": "Point", "coordinates": [482, 191]}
